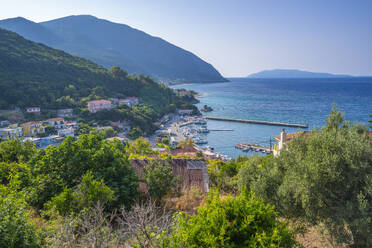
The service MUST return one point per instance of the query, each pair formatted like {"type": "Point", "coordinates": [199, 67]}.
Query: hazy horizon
{"type": "Point", "coordinates": [238, 38]}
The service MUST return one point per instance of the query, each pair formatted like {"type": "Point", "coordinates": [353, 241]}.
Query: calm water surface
{"type": "Point", "coordinates": [285, 100]}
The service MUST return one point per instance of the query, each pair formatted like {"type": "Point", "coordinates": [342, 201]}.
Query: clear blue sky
{"type": "Point", "coordinates": [238, 37]}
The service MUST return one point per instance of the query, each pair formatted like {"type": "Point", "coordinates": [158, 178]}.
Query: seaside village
{"type": "Point", "coordinates": [54, 130]}
{"type": "Point", "coordinates": [172, 130]}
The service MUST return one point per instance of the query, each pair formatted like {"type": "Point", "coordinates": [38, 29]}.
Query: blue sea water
{"type": "Point", "coordinates": [298, 101]}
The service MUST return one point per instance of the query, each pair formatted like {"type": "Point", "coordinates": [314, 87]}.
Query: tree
{"type": "Point", "coordinates": [50, 130]}
{"type": "Point", "coordinates": [324, 177]}
{"type": "Point", "coordinates": [13, 150]}
{"type": "Point", "coordinates": [370, 121]}
{"type": "Point", "coordinates": [139, 146]}
{"type": "Point", "coordinates": [186, 143]}
{"type": "Point", "coordinates": [88, 194]}
{"type": "Point", "coordinates": [241, 221]}
{"type": "Point", "coordinates": [56, 168]}
{"type": "Point", "coordinates": [160, 180]}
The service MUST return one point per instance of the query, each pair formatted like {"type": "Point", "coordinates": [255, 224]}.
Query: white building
{"type": "Point", "coordinates": [98, 105]}
{"type": "Point", "coordinates": [130, 101]}
{"type": "Point", "coordinates": [6, 133]}
{"type": "Point", "coordinates": [67, 132]}
{"type": "Point", "coordinates": [33, 110]}
{"type": "Point", "coordinates": [283, 140]}
{"type": "Point", "coordinates": [65, 112]}
{"type": "Point", "coordinates": [58, 123]}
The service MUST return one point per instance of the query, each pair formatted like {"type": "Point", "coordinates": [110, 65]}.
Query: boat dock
{"type": "Point", "coordinates": [257, 122]}
{"type": "Point", "coordinates": [253, 147]}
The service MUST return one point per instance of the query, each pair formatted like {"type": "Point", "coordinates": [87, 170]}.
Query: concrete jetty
{"type": "Point", "coordinates": [272, 123]}
{"type": "Point", "coordinates": [253, 147]}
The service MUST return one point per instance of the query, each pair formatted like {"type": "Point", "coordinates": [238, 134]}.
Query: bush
{"type": "Point", "coordinates": [160, 180]}
{"type": "Point", "coordinates": [56, 168]}
{"type": "Point", "coordinates": [88, 194]}
{"type": "Point", "coordinates": [244, 221]}
{"type": "Point", "coordinates": [16, 230]}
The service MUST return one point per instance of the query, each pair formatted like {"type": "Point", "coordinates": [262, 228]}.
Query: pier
{"type": "Point", "coordinates": [253, 147]}
{"type": "Point", "coordinates": [272, 123]}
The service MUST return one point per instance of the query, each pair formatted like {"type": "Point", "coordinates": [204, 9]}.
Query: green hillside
{"type": "Point", "coordinates": [109, 44]}
{"type": "Point", "coordinates": [32, 74]}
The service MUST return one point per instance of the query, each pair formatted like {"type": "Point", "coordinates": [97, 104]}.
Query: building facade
{"type": "Point", "coordinates": [33, 110]}
{"type": "Point", "coordinates": [130, 101]}
{"type": "Point", "coordinates": [67, 132]}
{"type": "Point", "coordinates": [65, 112]}
{"type": "Point", "coordinates": [58, 123]}
{"type": "Point", "coordinates": [98, 105]}
{"type": "Point", "coordinates": [7, 133]}
{"type": "Point", "coordinates": [32, 128]}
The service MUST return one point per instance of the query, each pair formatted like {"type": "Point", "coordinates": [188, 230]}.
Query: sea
{"type": "Point", "coordinates": [300, 101]}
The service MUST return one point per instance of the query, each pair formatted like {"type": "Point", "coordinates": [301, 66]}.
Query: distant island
{"type": "Point", "coordinates": [292, 73]}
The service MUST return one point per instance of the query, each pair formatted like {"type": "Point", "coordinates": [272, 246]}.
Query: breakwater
{"type": "Point", "coordinates": [272, 123]}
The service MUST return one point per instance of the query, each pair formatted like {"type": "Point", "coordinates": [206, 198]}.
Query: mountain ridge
{"type": "Point", "coordinates": [108, 44]}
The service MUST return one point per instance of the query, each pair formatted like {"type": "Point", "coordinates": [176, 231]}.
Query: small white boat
{"type": "Point", "coordinates": [203, 130]}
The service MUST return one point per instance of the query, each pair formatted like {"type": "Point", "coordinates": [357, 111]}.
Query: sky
{"type": "Point", "coordinates": [238, 37]}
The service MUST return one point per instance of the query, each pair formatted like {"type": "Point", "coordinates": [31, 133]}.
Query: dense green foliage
{"type": "Point", "coordinates": [59, 167]}
{"type": "Point", "coordinates": [241, 221]}
{"type": "Point", "coordinates": [87, 195]}
{"type": "Point", "coordinates": [29, 69]}
{"type": "Point", "coordinates": [324, 177]}
{"type": "Point", "coordinates": [16, 228]}
{"type": "Point", "coordinates": [160, 180]}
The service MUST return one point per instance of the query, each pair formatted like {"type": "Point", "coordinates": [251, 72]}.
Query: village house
{"type": "Point", "coordinates": [71, 124]}
{"type": "Point", "coordinates": [33, 110]}
{"type": "Point", "coordinates": [117, 124]}
{"type": "Point", "coordinates": [98, 105]}
{"type": "Point", "coordinates": [130, 101]}
{"type": "Point", "coordinates": [8, 132]}
{"type": "Point", "coordinates": [284, 138]}
{"type": "Point", "coordinates": [185, 111]}
{"type": "Point", "coordinates": [67, 132]}
{"type": "Point", "coordinates": [32, 128]}
{"type": "Point", "coordinates": [58, 123]}
{"type": "Point", "coordinates": [4, 123]}
{"type": "Point", "coordinates": [65, 112]}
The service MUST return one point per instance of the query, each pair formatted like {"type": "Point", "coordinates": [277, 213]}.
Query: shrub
{"type": "Point", "coordinates": [244, 221]}
{"type": "Point", "coordinates": [88, 194]}
{"type": "Point", "coordinates": [160, 180]}
{"type": "Point", "coordinates": [16, 230]}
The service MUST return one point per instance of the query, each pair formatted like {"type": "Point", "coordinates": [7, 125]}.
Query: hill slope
{"type": "Point", "coordinates": [110, 44]}
{"type": "Point", "coordinates": [286, 73]}
{"type": "Point", "coordinates": [32, 74]}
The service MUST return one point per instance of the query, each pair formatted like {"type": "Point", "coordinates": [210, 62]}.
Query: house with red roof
{"type": "Point", "coordinates": [33, 110]}
{"type": "Point", "coordinates": [130, 101]}
{"type": "Point", "coordinates": [98, 105]}
{"type": "Point", "coordinates": [32, 128]}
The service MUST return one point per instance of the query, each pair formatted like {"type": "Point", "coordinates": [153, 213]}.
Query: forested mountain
{"type": "Point", "coordinates": [110, 44]}
{"type": "Point", "coordinates": [32, 74]}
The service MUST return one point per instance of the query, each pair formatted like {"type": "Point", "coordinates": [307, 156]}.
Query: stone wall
{"type": "Point", "coordinates": [193, 173]}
